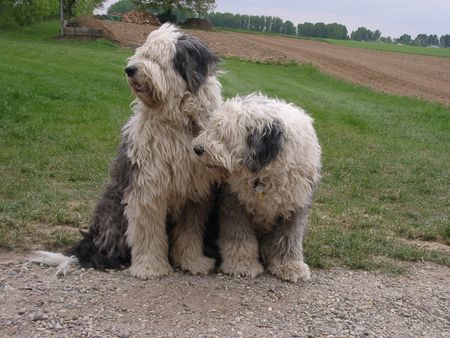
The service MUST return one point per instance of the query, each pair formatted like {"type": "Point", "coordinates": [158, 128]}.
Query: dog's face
{"type": "Point", "coordinates": [167, 65]}
{"type": "Point", "coordinates": [236, 141]}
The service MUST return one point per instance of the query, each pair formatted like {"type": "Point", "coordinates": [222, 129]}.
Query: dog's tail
{"type": "Point", "coordinates": [53, 259]}
{"type": "Point", "coordinates": [84, 253]}
{"type": "Point", "coordinates": [89, 254]}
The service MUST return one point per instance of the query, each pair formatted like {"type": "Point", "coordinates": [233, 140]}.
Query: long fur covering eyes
{"type": "Point", "coordinates": [272, 156]}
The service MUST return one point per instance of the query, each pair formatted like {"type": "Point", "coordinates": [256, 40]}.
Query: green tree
{"type": "Point", "coordinates": [268, 24]}
{"type": "Point", "coordinates": [445, 40]}
{"type": "Point", "coordinates": [363, 34]}
{"type": "Point", "coordinates": [23, 12]}
{"type": "Point", "coordinates": [386, 39]}
{"type": "Point", "coordinates": [376, 35]}
{"type": "Point", "coordinates": [235, 21]}
{"type": "Point", "coordinates": [85, 7]}
{"type": "Point", "coordinates": [122, 6]}
{"type": "Point", "coordinates": [79, 7]}
{"type": "Point", "coordinates": [288, 28]}
{"type": "Point", "coordinates": [421, 40]}
{"type": "Point", "coordinates": [277, 24]}
{"type": "Point", "coordinates": [306, 29]}
{"type": "Point", "coordinates": [255, 23]}
{"type": "Point", "coordinates": [404, 39]}
{"type": "Point", "coordinates": [245, 22]}
{"type": "Point", "coordinates": [336, 31]}
{"type": "Point", "coordinates": [433, 40]}
{"type": "Point", "coordinates": [166, 8]}
{"type": "Point", "coordinates": [320, 30]}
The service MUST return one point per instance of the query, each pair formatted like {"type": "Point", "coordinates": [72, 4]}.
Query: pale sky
{"type": "Point", "coordinates": [391, 17]}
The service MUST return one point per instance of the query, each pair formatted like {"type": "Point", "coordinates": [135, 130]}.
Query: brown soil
{"type": "Point", "coordinates": [426, 77]}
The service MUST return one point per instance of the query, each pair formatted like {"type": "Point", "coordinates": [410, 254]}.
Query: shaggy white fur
{"type": "Point", "coordinates": [53, 259]}
{"type": "Point", "coordinates": [272, 156]}
{"type": "Point", "coordinates": [167, 178]}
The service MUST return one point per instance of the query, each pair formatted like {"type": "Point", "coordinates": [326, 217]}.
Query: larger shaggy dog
{"type": "Point", "coordinates": [156, 178]}
{"type": "Point", "coordinates": [271, 153]}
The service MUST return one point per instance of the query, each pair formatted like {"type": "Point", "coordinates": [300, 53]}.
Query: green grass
{"type": "Point", "coordinates": [385, 158]}
{"type": "Point", "coordinates": [62, 106]}
{"type": "Point", "coordinates": [392, 47]}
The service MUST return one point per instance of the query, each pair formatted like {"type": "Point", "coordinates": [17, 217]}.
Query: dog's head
{"type": "Point", "coordinates": [240, 138]}
{"type": "Point", "coordinates": [169, 64]}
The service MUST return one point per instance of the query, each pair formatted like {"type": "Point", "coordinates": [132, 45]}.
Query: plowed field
{"type": "Point", "coordinates": [426, 77]}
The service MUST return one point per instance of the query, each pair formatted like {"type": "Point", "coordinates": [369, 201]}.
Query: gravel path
{"type": "Point", "coordinates": [336, 302]}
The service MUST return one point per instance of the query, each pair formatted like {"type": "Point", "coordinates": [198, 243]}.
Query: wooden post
{"type": "Point", "coordinates": [61, 11]}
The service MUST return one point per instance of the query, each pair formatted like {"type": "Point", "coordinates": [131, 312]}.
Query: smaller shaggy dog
{"type": "Point", "coordinates": [272, 156]}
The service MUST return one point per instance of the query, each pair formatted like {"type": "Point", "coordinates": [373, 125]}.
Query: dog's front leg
{"type": "Point", "coordinates": [282, 250]}
{"type": "Point", "coordinates": [146, 235]}
{"type": "Point", "coordinates": [238, 244]}
{"type": "Point", "coordinates": [188, 234]}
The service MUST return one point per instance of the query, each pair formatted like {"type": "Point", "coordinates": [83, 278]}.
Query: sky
{"type": "Point", "coordinates": [392, 17]}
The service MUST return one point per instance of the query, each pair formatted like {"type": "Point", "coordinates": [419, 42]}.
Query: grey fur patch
{"type": "Point", "coordinates": [104, 245]}
{"type": "Point", "coordinates": [194, 62]}
{"type": "Point", "coordinates": [264, 146]}
{"type": "Point", "coordinates": [109, 221]}
{"type": "Point", "coordinates": [285, 240]}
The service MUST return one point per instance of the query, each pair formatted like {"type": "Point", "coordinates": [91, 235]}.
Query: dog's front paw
{"type": "Point", "coordinates": [245, 268]}
{"type": "Point", "coordinates": [292, 271]}
{"type": "Point", "coordinates": [149, 268]}
{"type": "Point", "coordinates": [200, 265]}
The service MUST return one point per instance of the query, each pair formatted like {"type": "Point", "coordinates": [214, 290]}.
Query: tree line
{"type": "Point", "coordinates": [276, 25]}
{"type": "Point", "coordinates": [425, 40]}
{"type": "Point", "coordinates": [271, 24]}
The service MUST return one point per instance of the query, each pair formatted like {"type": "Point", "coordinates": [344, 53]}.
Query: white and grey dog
{"type": "Point", "coordinates": [272, 156]}
{"type": "Point", "coordinates": [156, 177]}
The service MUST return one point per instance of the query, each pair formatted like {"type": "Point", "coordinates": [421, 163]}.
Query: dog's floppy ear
{"type": "Point", "coordinates": [194, 62]}
{"type": "Point", "coordinates": [264, 146]}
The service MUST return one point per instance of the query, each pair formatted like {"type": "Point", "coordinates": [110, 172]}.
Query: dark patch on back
{"type": "Point", "coordinates": [104, 245]}
{"type": "Point", "coordinates": [264, 146]}
{"type": "Point", "coordinates": [211, 235]}
{"type": "Point", "coordinates": [194, 62]}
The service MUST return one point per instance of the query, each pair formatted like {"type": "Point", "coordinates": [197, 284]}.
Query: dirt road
{"type": "Point", "coordinates": [337, 302]}
{"type": "Point", "coordinates": [394, 73]}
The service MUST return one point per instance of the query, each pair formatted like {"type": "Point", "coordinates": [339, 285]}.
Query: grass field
{"type": "Point", "coordinates": [385, 174]}
{"type": "Point", "coordinates": [391, 47]}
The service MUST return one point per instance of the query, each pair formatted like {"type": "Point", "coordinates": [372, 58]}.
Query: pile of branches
{"type": "Point", "coordinates": [196, 23]}
{"type": "Point", "coordinates": [139, 17]}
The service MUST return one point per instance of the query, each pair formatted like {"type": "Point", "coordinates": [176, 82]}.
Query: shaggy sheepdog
{"type": "Point", "coordinates": [271, 154]}
{"type": "Point", "coordinates": [156, 178]}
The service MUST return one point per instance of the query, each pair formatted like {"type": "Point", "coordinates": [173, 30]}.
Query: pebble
{"type": "Point", "coordinates": [39, 316]}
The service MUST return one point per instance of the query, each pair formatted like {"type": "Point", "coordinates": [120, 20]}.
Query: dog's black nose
{"type": "Point", "coordinates": [130, 70]}
{"type": "Point", "coordinates": [199, 150]}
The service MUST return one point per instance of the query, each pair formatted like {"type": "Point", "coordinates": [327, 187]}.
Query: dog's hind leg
{"type": "Point", "coordinates": [282, 250]}
{"type": "Point", "coordinates": [238, 243]}
{"type": "Point", "coordinates": [188, 234]}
